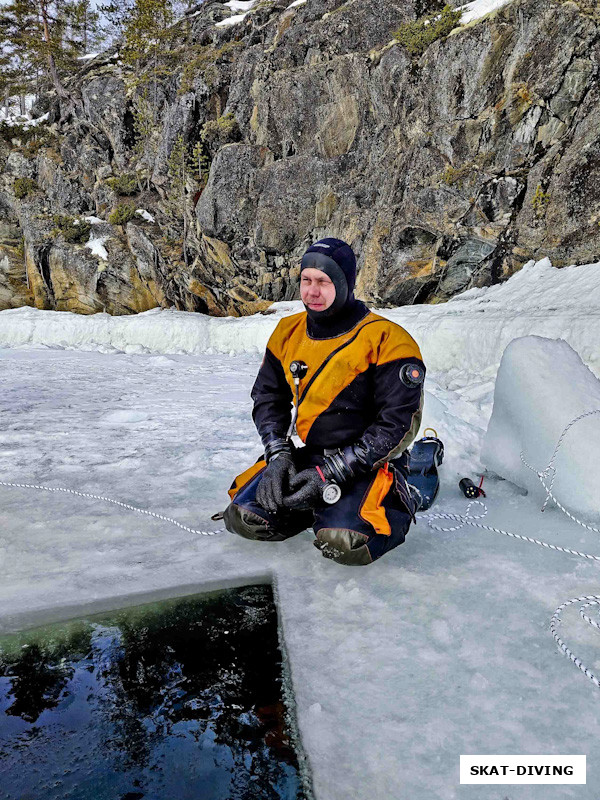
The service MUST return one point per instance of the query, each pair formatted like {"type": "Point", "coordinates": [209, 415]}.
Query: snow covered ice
{"type": "Point", "coordinates": [439, 649]}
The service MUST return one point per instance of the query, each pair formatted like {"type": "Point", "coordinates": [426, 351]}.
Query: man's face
{"type": "Point", "coordinates": [317, 290]}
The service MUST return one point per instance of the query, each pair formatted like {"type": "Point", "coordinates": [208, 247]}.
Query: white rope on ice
{"type": "Point", "coordinates": [551, 468]}
{"type": "Point", "coordinates": [593, 599]}
{"type": "Point", "coordinates": [114, 502]}
{"type": "Point", "coordinates": [470, 519]}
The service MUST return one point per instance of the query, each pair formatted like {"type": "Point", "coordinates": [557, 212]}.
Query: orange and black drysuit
{"type": "Point", "coordinates": [354, 396]}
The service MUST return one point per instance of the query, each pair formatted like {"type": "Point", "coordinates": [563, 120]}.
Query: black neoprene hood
{"type": "Point", "coordinates": [336, 259]}
{"type": "Point", "coordinates": [327, 265]}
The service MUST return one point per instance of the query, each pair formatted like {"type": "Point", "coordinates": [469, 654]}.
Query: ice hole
{"type": "Point", "coordinates": [184, 698]}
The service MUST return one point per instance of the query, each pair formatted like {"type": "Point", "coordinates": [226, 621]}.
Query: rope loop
{"type": "Point", "coordinates": [470, 519]}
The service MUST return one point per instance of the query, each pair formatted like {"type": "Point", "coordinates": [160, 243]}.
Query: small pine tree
{"type": "Point", "coordinates": [200, 162]}
{"type": "Point", "coordinates": [59, 59]}
{"type": "Point", "coordinates": [34, 34]}
{"type": "Point", "coordinates": [417, 35]}
{"type": "Point", "coordinates": [179, 169]}
{"type": "Point", "coordinates": [146, 34]}
{"type": "Point", "coordinates": [21, 63]}
{"type": "Point", "coordinates": [144, 123]}
{"type": "Point", "coordinates": [84, 29]}
{"type": "Point", "coordinates": [114, 16]}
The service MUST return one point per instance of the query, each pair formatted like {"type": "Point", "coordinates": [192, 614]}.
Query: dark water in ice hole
{"type": "Point", "coordinates": [177, 700]}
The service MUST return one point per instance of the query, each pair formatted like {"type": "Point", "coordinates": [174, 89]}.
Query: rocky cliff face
{"type": "Point", "coordinates": [443, 171]}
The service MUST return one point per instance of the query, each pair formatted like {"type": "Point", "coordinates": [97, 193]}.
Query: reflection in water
{"type": "Point", "coordinates": [180, 699]}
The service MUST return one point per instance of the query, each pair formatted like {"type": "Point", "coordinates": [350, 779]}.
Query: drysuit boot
{"type": "Point", "coordinates": [424, 458]}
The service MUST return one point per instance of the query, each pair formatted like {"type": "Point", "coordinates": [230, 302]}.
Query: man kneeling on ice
{"type": "Point", "coordinates": [355, 380]}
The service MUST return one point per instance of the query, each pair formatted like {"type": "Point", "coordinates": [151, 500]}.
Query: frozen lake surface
{"type": "Point", "coordinates": [439, 649]}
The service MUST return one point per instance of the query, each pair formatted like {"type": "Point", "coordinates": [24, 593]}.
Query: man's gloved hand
{"type": "Point", "coordinates": [307, 490]}
{"type": "Point", "coordinates": [340, 469]}
{"type": "Point", "coordinates": [275, 481]}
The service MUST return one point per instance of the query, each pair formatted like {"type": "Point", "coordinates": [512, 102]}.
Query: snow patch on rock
{"type": "Point", "coordinates": [96, 245]}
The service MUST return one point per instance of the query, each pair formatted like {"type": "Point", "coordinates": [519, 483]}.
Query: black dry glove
{"type": "Point", "coordinates": [307, 490]}
{"type": "Point", "coordinates": [318, 486]}
{"type": "Point", "coordinates": [277, 476]}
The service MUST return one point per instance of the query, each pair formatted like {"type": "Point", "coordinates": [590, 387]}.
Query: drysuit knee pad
{"type": "Point", "coordinates": [344, 546]}
{"type": "Point", "coordinates": [243, 522]}
{"type": "Point", "coordinates": [247, 523]}
{"type": "Point", "coordinates": [355, 549]}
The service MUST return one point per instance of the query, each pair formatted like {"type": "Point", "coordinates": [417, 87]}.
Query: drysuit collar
{"type": "Point", "coordinates": [328, 327]}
